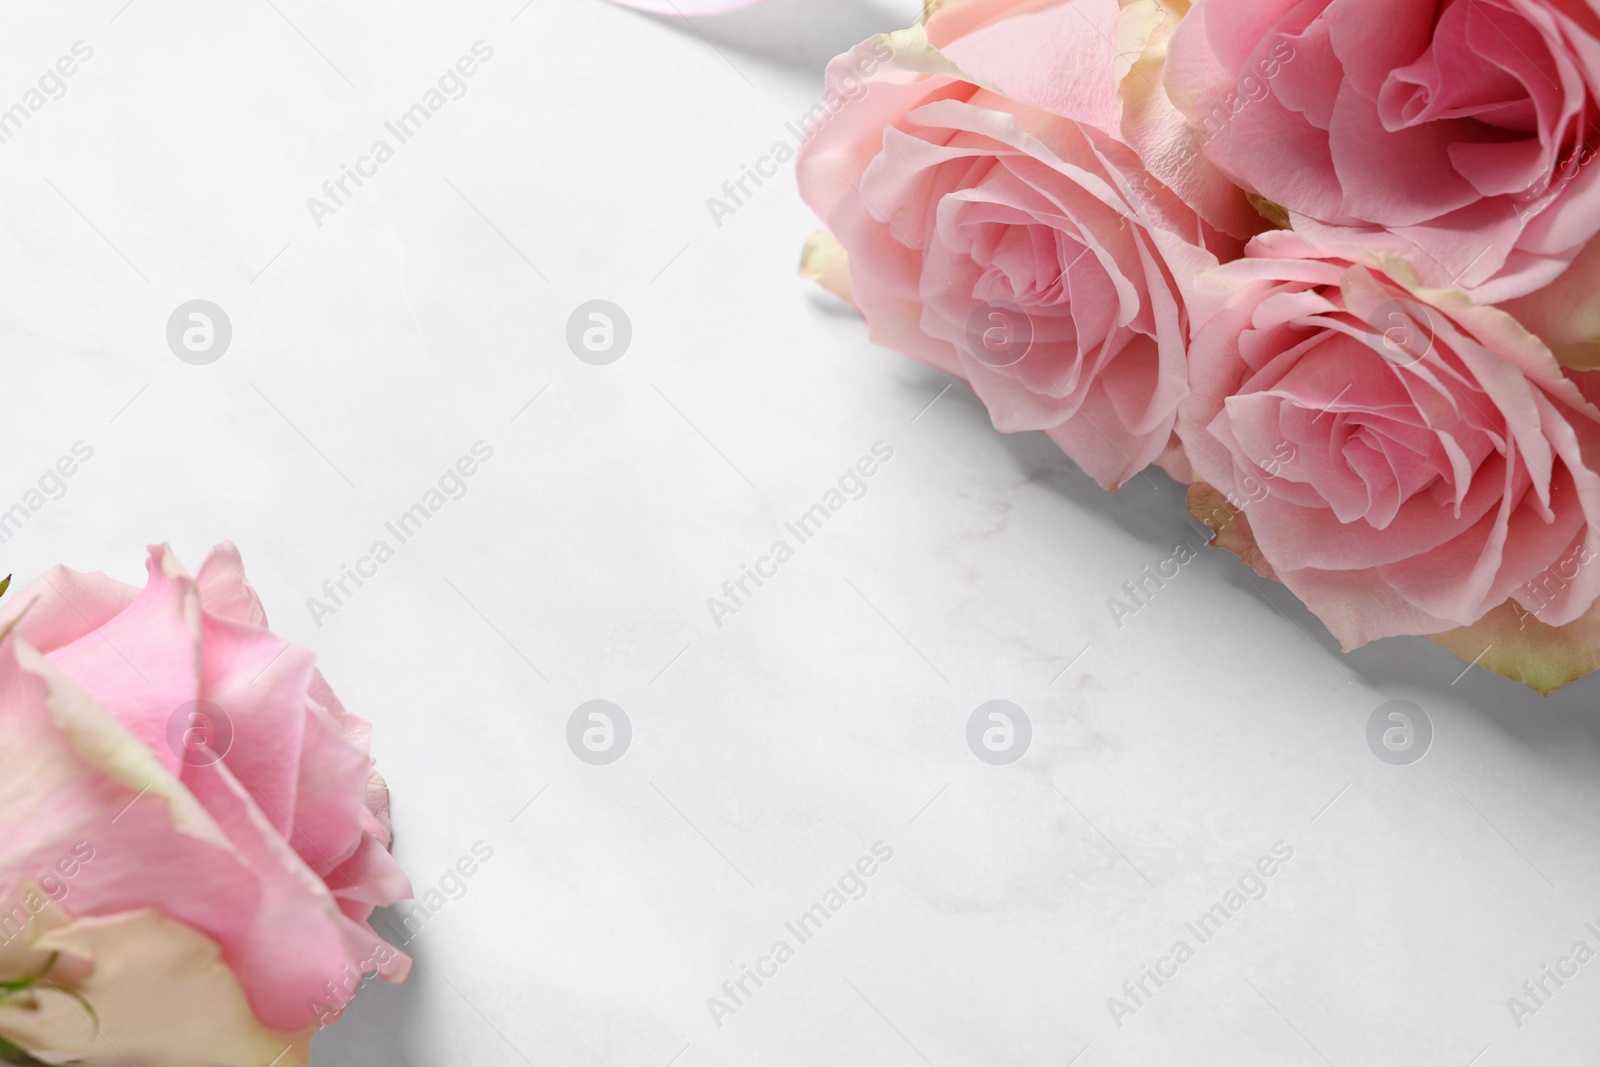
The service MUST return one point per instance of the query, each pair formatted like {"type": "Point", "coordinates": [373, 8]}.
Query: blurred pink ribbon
{"type": "Point", "coordinates": [688, 7]}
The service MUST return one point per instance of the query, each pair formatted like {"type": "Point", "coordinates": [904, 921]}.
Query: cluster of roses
{"type": "Point", "coordinates": [1330, 263]}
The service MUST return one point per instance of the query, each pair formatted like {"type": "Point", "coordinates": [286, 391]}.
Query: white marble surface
{"type": "Point", "coordinates": [830, 712]}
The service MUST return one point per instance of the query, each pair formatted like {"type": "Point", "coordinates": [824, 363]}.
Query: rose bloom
{"type": "Point", "coordinates": [193, 830]}
{"type": "Point", "coordinates": [990, 217]}
{"type": "Point", "coordinates": [1457, 134]}
{"type": "Point", "coordinates": [1405, 460]}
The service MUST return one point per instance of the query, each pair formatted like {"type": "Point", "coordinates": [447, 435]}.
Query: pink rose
{"type": "Point", "coordinates": [997, 225]}
{"type": "Point", "coordinates": [191, 821]}
{"type": "Point", "coordinates": [1405, 461]}
{"type": "Point", "coordinates": [1455, 134]}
